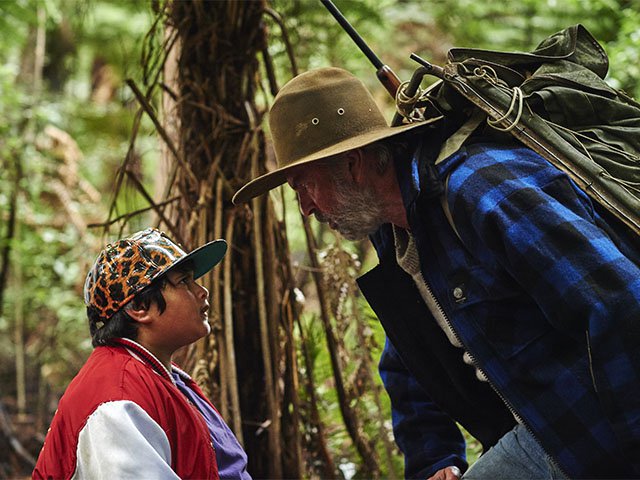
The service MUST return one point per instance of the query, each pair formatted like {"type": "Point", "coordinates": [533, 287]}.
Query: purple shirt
{"type": "Point", "coordinates": [231, 458]}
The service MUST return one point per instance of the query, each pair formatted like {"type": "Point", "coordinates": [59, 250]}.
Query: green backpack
{"type": "Point", "coordinates": [555, 101]}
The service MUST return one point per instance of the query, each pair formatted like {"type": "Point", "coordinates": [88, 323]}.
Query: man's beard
{"type": "Point", "coordinates": [358, 212]}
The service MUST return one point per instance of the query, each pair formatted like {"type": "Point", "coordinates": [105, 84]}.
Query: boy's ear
{"type": "Point", "coordinates": [356, 165]}
{"type": "Point", "coordinates": [140, 314]}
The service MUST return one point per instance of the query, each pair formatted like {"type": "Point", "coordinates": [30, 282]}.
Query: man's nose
{"type": "Point", "coordinates": [307, 207]}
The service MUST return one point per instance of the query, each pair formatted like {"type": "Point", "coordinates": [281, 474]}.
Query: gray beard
{"type": "Point", "coordinates": [358, 212]}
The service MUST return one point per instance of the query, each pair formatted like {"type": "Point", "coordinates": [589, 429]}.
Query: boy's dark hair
{"type": "Point", "coordinates": [121, 324]}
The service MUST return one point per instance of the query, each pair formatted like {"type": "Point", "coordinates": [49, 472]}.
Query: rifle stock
{"type": "Point", "coordinates": [389, 80]}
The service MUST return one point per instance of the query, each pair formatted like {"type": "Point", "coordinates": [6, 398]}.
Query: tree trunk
{"type": "Point", "coordinates": [246, 364]}
{"type": "Point", "coordinates": [21, 384]}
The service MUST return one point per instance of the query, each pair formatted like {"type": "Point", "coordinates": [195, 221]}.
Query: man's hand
{"type": "Point", "coordinates": [448, 473]}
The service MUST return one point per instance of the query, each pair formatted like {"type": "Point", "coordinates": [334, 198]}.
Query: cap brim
{"type": "Point", "coordinates": [277, 177]}
{"type": "Point", "coordinates": [204, 258]}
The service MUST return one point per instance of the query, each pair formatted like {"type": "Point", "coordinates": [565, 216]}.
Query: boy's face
{"type": "Point", "coordinates": [185, 318]}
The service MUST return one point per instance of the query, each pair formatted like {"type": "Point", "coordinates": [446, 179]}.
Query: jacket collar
{"type": "Point", "coordinates": [416, 173]}
{"type": "Point", "coordinates": [417, 178]}
{"type": "Point", "coordinates": [151, 360]}
{"type": "Point", "coordinates": [408, 173]}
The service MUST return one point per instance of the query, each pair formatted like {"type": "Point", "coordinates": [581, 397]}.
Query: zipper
{"type": "Point", "coordinates": [593, 377]}
{"type": "Point", "coordinates": [443, 316]}
{"type": "Point", "coordinates": [439, 312]}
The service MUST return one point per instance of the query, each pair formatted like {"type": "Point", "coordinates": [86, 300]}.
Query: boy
{"type": "Point", "coordinates": [131, 413]}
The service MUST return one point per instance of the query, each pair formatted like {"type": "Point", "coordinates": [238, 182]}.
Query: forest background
{"type": "Point", "coordinates": [113, 118]}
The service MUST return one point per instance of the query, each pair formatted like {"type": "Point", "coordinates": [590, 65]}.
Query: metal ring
{"type": "Point", "coordinates": [341, 111]}
{"type": "Point", "coordinates": [315, 121]}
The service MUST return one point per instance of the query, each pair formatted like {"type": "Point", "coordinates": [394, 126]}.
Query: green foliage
{"type": "Point", "coordinates": [15, 18]}
{"type": "Point", "coordinates": [624, 53]}
{"type": "Point", "coordinates": [50, 295]}
{"type": "Point", "coordinates": [50, 254]}
{"type": "Point", "coordinates": [394, 29]}
{"type": "Point", "coordinates": [61, 187]}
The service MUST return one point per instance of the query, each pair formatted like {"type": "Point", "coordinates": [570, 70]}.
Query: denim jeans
{"type": "Point", "coordinates": [516, 456]}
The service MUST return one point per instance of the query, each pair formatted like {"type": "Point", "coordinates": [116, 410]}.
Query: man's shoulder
{"type": "Point", "coordinates": [499, 159]}
{"type": "Point", "coordinates": [482, 169]}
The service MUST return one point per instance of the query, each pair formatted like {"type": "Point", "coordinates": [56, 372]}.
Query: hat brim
{"type": "Point", "coordinates": [270, 180]}
{"type": "Point", "coordinates": [204, 258]}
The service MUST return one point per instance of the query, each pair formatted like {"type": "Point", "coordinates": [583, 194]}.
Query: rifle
{"type": "Point", "coordinates": [387, 77]}
{"type": "Point", "coordinates": [605, 168]}
{"type": "Point", "coordinates": [385, 74]}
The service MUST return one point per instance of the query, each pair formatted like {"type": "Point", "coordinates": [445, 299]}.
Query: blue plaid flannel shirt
{"type": "Point", "coordinates": [549, 311]}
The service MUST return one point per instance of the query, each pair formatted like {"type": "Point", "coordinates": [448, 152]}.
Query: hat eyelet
{"type": "Point", "coordinates": [315, 121]}
{"type": "Point", "coordinates": [341, 111]}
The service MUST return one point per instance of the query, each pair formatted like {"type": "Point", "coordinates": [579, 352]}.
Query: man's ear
{"type": "Point", "coordinates": [356, 163]}
{"type": "Point", "coordinates": [140, 314]}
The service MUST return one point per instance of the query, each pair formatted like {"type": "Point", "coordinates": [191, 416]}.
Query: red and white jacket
{"type": "Point", "coordinates": [123, 417]}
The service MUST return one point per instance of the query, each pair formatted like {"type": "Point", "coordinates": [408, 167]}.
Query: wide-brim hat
{"type": "Point", "coordinates": [123, 269]}
{"type": "Point", "coordinates": [316, 115]}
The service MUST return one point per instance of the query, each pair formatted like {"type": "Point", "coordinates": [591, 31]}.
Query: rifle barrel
{"type": "Point", "coordinates": [387, 77]}
{"type": "Point", "coordinates": [344, 23]}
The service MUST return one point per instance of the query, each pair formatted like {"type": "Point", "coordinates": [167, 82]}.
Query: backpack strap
{"type": "Point", "coordinates": [455, 141]}
{"type": "Point", "coordinates": [449, 147]}
{"type": "Point", "coordinates": [446, 209]}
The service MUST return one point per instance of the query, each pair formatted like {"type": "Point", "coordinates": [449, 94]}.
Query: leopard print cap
{"type": "Point", "coordinates": [124, 268]}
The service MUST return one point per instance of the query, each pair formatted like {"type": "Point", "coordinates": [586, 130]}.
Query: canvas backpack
{"type": "Point", "coordinates": [555, 101]}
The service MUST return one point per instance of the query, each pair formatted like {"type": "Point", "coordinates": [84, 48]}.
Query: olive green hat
{"type": "Point", "coordinates": [316, 115]}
